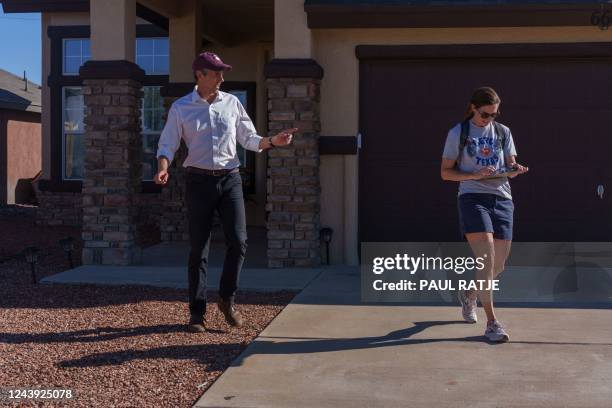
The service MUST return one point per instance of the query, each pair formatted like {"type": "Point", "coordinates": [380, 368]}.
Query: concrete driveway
{"type": "Point", "coordinates": [327, 349]}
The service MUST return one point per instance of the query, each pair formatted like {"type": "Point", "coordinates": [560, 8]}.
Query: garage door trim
{"type": "Point", "coordinates": [590, 50]}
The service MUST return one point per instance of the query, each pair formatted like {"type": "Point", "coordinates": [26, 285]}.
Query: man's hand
{"type": "Point", "coordinates": [161, 177]}
{"type": "Point", "coordinates": [283, 138]}
{"type": "Point", "coordinates": [162, 170]}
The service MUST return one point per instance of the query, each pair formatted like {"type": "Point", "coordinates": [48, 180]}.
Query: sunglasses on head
{"type": "Point", "coordinates": [486, 115]}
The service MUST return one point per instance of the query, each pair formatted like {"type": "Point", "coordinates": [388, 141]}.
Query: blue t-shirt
{"type": "Point", "coordinates": [482, 148]}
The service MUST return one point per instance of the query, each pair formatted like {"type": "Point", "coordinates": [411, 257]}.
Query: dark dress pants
{"type": "Point", "coordinates": [203, 195]}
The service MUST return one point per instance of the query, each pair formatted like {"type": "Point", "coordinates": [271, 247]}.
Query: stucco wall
{"type": "Point", "coordinates": [292, 37]}
{"type": "Point", "coordinates": [113, 30]}
{"type": "Point", "coordinates": [334, 50]}
{"type": "Point", "coordinates": [23, 147]}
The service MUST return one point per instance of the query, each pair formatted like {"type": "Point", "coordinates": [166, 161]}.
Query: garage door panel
{"type": "Point", "coordinates": [559, 112]}
{"type": "Point", "coordinates": [573, 131]}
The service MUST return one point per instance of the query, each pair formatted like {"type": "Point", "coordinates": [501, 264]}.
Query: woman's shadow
{"type": "Point", "coordinates": [394, 338]}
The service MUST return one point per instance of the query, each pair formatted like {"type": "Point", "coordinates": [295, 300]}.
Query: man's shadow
{"type": "Point", "coordinates": [208, 354]}
{"type": "Point", "coordinates": [94, 335]}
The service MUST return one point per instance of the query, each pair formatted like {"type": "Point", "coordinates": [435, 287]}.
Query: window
{"type": "Point", "coordinates": [152, 113]}
{"type": "Point", "coordinates": [152, 55]}
{"type": "Point", "coordinates": [70, 48]}
{"type": "Point", "coordinates": [76, 52]}
{"type": "Point", "coordinates": [73, 133]}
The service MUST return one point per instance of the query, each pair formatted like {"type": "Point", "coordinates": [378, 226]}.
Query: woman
{"type": "Point", "coordinates": [475, 151]}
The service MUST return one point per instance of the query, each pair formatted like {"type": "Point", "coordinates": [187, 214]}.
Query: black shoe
{"type": "Point", "coordinates": [232, 316]}
{"type": "Point", "coordinates": [196, 325]}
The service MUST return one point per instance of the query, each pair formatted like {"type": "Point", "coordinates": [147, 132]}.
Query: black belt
{"type": "Point", "coordinates": [206, 172]}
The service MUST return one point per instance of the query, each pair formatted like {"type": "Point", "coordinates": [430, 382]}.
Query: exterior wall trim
{"type": "Point", "coordinates": [346, 145]}
{"type": "Point", "coordinates": [488, 51]}
{"type": "Point", "coordinates": [38, 6]}
{"type": "Point", "coordinates": [293, 68]}
{"type": "Point", "coordinates": [111, 70]}
{"type": "Point", "coordinates": [462, 15]}
{"type": "Point", "coordinates": [45, 6]}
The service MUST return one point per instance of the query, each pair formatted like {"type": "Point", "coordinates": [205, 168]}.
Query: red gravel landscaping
{"type": "Point", "coordinates": [122, 346]}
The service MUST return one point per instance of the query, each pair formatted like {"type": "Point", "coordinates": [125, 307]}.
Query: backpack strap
{"type": "Point", "coordinates": [465, 132]}
{"type": "Point", "coordinates": [463, 137]}
{"type": "Point", "coordinates": [501, 133]}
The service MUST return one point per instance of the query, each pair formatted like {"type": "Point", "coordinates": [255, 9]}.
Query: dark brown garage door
{"type": "Point", "coordinates": [559, 108]}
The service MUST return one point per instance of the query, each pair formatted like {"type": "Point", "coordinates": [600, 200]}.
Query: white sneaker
{"type": "Point", "coordinates": [495, 332]}
{"type": "Point", "coordinates": [468, 307]}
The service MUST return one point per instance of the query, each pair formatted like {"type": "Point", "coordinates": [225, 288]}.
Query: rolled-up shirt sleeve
{"type": "Point", "coordinates": [170, 138]}
{"type": "Point", "coordinates": [246, 134]}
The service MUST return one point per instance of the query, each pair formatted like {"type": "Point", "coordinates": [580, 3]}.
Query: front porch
{"type": "Point", "coordinates": [165, 265]}
{"type": "Point", "coordinates": [108, 111]}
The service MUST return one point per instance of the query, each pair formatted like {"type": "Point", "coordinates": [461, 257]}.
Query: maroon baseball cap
{"type": "Point", "coordinates": [209, 60]}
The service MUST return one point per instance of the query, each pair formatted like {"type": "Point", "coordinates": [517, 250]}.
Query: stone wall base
{"type": "Point", "coordinates": [59, 209]}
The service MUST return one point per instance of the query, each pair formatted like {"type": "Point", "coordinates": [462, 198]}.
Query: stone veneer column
{"type": "Point", "coordinates": [293, 188]}
{"type": "Point", "coordinates": [113, 149]}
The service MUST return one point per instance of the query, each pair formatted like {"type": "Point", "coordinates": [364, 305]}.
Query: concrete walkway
{"type": "Point", "coordinates": [165, 265]}
{"type": "Point", "coordinates": [326, 349]}
{"type": "Point", "coordinates": [256, 279]}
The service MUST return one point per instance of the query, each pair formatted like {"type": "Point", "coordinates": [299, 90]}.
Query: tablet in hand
{"type": "Point", "coordinates": [503, 172]}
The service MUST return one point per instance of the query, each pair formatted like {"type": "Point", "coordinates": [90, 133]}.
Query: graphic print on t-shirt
{"type": "Point", "coordinates": [486, 149]}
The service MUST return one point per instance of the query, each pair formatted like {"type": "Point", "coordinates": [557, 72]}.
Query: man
{"type": "Point", "coordinates": [211, 122]}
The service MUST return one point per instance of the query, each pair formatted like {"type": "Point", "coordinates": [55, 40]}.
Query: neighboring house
{"type": "Point", "coordinates": [20, 138]}
{"type": "Point", "coordinates": [373, 86]}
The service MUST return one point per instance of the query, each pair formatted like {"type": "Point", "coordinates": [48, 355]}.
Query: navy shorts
{"type": "Point", "coordinates": [486, 213]}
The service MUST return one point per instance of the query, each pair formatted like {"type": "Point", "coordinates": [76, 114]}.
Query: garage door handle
{"type": "Point", "coordinates": [600, 191]}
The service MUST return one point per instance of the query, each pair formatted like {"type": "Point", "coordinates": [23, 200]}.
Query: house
{"type": "Point", "coordinates": [20, 138]}
{"type": "Point", "coordinates": [373, 86]}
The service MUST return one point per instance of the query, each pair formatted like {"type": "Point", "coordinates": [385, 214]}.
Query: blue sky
{"type": "Point", "coordinates": [20, 47]}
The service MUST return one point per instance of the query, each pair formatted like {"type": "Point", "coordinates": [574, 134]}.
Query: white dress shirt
{"type": "Point", "coordinates": [210, 131]}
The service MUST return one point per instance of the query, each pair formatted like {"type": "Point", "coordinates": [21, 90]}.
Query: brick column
{"type": "Point", "coordinates": [293, 188]}
{"type": "Point", "coordinates": [113, 149]}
